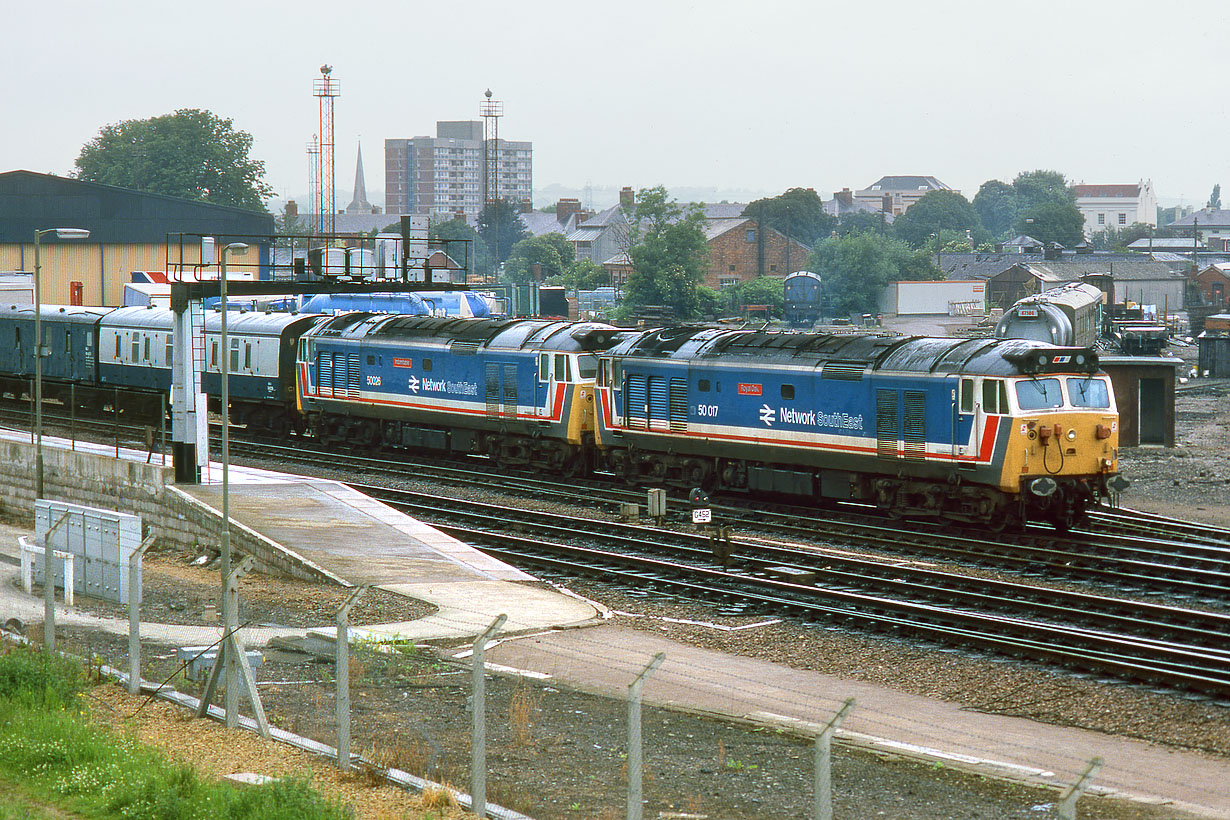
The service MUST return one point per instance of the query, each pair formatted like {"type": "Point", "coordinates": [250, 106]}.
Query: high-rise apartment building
{"type": "Point", "coordinates": [443, 175]}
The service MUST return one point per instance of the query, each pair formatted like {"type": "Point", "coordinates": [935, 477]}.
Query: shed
{"type": "Point", "coordinates": [1144, 393]}
{"type": "Point", "coordinates": [1214, 353]}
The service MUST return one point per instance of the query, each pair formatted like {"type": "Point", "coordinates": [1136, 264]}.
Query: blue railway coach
{"type": "Point", "coordinates": [962, 429]}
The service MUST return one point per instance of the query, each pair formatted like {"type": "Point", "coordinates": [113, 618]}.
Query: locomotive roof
{"type": "Point", "coordinates": [507, 334]}
{"type": "Point", "coordinates": [58, 313]}
{"type": "Point", "coordinates": [851, 354]}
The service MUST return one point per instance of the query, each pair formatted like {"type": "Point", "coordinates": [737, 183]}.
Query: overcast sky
{"type": "Point", "coordinates": [737, 96]}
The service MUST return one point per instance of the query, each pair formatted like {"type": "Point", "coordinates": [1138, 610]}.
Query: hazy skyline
{"type": "Point", "coordinates": [715, 95]}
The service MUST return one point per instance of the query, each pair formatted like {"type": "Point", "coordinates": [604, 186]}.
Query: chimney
{"type": "Point", "coordinates": [627, 197]}
{"type": "Point", "coordinates": [292, 209]}
{"type": "Point", "coordinates": [566, 208]}
{"type": "Point", "coordinates": [845, 196]}
{"type": "Point", "coordinates": [527, 206]}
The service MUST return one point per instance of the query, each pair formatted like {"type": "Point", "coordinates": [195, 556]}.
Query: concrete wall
{"type": "Point", "coordinates": [179, 520]}
{"type": "Point", "coordinates": [929, 298]}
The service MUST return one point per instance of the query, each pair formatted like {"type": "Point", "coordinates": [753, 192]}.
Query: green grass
{"type": "Point", "coordinates": [49, 748]}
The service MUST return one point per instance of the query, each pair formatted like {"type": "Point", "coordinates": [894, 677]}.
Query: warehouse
{"type": "Point", "coordinates": [129, 231]}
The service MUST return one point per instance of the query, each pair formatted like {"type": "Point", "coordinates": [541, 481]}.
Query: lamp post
{"type": "Point", "coordinates": [230, 618]}
{"type": "Point", "coordinates": [40, 349]}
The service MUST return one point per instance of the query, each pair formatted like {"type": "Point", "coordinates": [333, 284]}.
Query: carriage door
{"type": "Point", "coordinates": [964, 424]}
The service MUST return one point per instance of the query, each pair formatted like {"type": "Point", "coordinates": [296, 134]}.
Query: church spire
{"type": "Point", "coordinates": [359, 205]}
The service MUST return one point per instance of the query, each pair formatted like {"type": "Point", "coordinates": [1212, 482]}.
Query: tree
{"type": "Point", "coordinates": [500, 226]}
{"type": "Point", "coordinates": [1117, 239]}
{"type": "Point", "coordinates": [1052, 222]}
{"type": "Point", "coordinates": [996, 204]}
{"type": "Point", "coordinates": [763, 290]}
{"type": "Point", "coordinates": [1215, 198]}
{"type": "Point", "coordinates": [862, 222]}
{"type": "Point", "coordinates": [798, 214]}
{"type": "Point", "coordinates": [192, 154]}
{"type": "Point", "coordinates": [461, 242]}
{"type": "Point", "coordinates": [552, 251]}
{"type": "Point", "coordinates": [938, 210]}
{"type": "Point", "coordinates": [855, 270]}
{"type": "Point", "coordinates": [583, 274]}
{"type": "Point", "coordinates": [669, 255]}
{"type": "Point", "coordinates": [1034, 188]}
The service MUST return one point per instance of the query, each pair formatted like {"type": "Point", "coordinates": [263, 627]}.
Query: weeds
{"type": "Point", "coordinates": [522, 712]}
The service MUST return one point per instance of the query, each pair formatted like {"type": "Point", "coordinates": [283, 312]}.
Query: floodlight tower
{"type": "Point", "coordinates": [326, 89]}
{"type": "Point", "coordinates": [314, 190]}
{"type": "Point", "coordinates": [491, 111]}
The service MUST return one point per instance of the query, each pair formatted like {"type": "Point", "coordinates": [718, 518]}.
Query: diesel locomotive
{"type": "Point", "coordinates": [987, 431]}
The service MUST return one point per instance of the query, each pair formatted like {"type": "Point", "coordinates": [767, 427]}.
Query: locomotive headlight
{"type": "Point", "coordinates": [1080, 358]}
{"type": "Point", "coordinates": [1072, 435]}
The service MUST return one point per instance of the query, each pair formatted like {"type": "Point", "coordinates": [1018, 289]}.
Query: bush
{"type": "Point", "coordinates": [35, 678]}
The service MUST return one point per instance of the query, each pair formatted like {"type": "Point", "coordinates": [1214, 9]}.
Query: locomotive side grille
{"type": "Point", "coordinates": [915, 425]}
{"type": "Point", "coordinates": [679, 405]}
{"type": "Point", "coordinates": [886, 424]}
{"type": "Point", "coordinates": [354, 373]}
{"type": "Point", "coordinates": [324, 374]}
{"type": "Point", "coordinates": [510, 391]}
{"type": "Point", "coordinates": [636, 408]}
{"type": "Point", "coordinates": [846, 371]}
{"type": "Point", "coordinates": [493, 390]}
{"type": "Point", "coordinates": [659, 404]}
{"type": "Point", "coordinates": [339, 375]}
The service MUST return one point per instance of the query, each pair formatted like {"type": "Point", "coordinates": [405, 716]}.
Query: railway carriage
{"type": "Point", "coordinates": [520, 391]}
{"type": "Point", "coordinates": [973, 430]}
{"type": "Point", "coordinates": [70, 334]}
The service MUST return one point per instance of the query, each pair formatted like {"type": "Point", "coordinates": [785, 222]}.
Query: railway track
{"type": "Point", "coordinates": [1149, 643]}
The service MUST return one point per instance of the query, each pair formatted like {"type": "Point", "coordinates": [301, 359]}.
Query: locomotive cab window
{"type": "Point", "coordinates": [562, 370]}
{"type": "Point", "coordinates": [787, 391]}
{"type": "Point", "coordinates": [1089, 393]}
{"type": "Point", "coordinates": [587, 367]}
{"type": "Point", "coordinates": [1038, 394]}
{"type": "Point", "coordinates": [544, 367]}
{"type": "Point", "coordinates": [604, 373]}
{"type": "Point", "coordinates": [994, 397]}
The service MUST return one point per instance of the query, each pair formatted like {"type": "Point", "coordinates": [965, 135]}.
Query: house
{"type": "Point", "coordinates": [1135, 279]}
{"type": "Point", "coordinates": [1116, 206]}
{"type": "Point", "coordinates": [129, 231]}
{"type": "Point", "coordinates": [1213, 285]}
{"type": "Point", "coordinates": [895, 195]}
{"type": "Point", "coordinates": [739, 249]}
{"type": "Point", "coordinates": [1204, 224]}
{"type": "Point", "coordinates": [843, 203]}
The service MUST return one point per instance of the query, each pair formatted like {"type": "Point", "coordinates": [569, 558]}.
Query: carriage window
{"type": "Point", "coordinates": [427, 364]}
{"type": "Point", "coordinates": [170, 349]}
{"type": "Point", "coordinates": [117, 346]}
{"type": "Point", "coordinates": [17, 339]}
{"type": "Point", "coordinates": [561, 368]}
{"type": "Point", "coordinates": [967, 395]}
{"type": "Point", "coordinates": [587, 367]}
{"type": "Point", "coordinates": [544, 366]}
{"type": "Point", "coordinates": [787, 391]}
{"type": "Point", "coordinates": [1088, 393]}
{"type": "Point", "coordinates": [703, 385]}
{"type": "Point", "coordinates": [68, 342]}
{"type": "Point", "coordinates": [234, 355]}
{"type": "Point", "coordinates": [213, 357]}
{"type": "Point", "coordinates": [147, 348]}
{"type": "Point", "coordinates": [136, 348]}
{"type": "Point", "coordinates": [247, 356]}
{"type": "Point", "coordinates": [1038, 394]}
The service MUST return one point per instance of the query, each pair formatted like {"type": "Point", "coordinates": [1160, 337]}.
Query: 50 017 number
{"type": "Point", "coordinates": [707, 411]}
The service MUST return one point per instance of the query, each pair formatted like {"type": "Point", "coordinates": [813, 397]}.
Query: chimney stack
{"type": "Point", "coordinates": [845, 196]}
{"type": "Point", "coordinates": [566, 208]}
{"type": "Point", "coordinates": [292, 209]}
{"type": "Point", "coordinates": [527, 206]}
{"type": "Point", "coordinates": [627, 197]}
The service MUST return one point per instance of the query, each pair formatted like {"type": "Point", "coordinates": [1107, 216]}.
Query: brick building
{"type": "Point", "coordinates": [739, 250]}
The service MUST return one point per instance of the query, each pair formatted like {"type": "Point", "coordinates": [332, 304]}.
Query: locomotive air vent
{"type": "Point", "coordinates": [463, 348]}
{"type": "Point", "coordinates": [847, 371]}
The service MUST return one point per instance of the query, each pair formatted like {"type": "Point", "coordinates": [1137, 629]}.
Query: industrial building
{"type": "Point", "coordinates": [129, 231]}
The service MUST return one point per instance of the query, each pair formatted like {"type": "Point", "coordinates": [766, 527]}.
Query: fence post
{"type": "Point", "coordinates": [634, 736]}
{"type": "Point", "coordinates": [134, 615]}
{"type": "Point", "coordinates": [478, 742]}
{"type": "Point", "coordinates": [1066, 806]}
{"type": "Point", "coordinates": [343, 678]}
{"type": "Point", "coordinates": [823, 794]}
